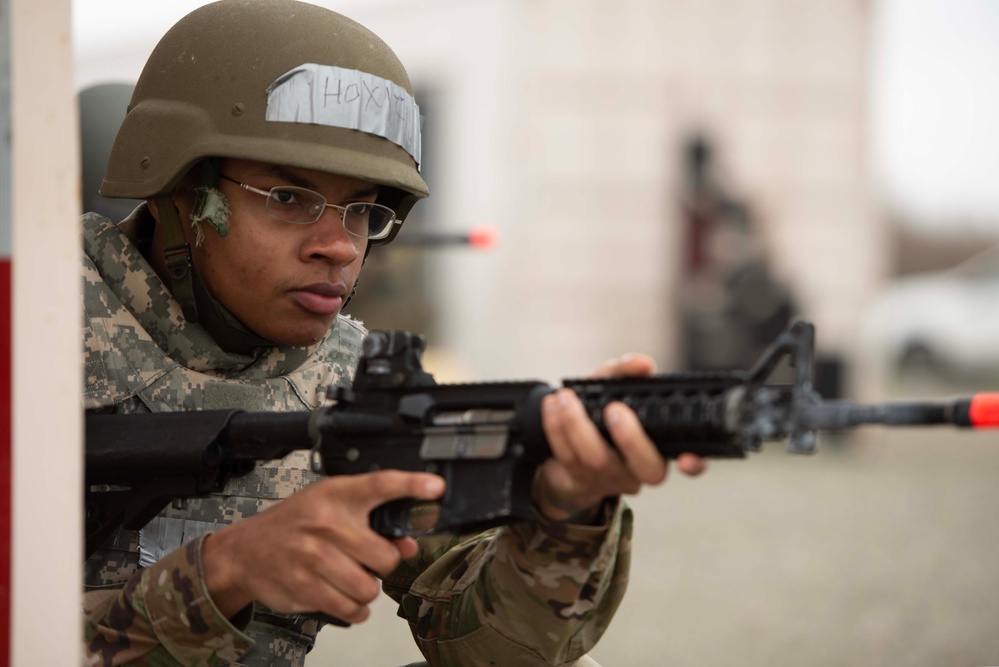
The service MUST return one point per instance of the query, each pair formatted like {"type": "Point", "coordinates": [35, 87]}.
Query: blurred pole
{"type": "Point", "coordinates": [5, 336]}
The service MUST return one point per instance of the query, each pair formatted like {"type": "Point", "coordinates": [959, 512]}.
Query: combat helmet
{"type": "Point", "coordinates": [277, 81]}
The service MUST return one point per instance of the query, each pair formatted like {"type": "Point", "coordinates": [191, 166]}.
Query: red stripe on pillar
{"type": "Point", "coordinates": [5, 439]}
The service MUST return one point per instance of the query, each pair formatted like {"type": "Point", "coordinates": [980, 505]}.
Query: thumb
{"type": "Point", "coordinates": [629, 365]}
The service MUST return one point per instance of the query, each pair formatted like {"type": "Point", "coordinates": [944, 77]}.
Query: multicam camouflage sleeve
{"type": "Point", "coordinates": [535, 593]}
{"type": "Point", "coordinates": [162, 616]}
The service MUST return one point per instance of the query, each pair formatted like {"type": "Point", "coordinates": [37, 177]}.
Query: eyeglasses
{"type": "Point", "coordinates": [303, 207]}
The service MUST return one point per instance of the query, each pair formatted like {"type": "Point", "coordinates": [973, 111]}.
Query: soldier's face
{"type": "Point", "coordinates": [284, 281]}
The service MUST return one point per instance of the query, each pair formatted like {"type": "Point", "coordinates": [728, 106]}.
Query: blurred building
{"type": "Point", "coordinates": [564, 123]}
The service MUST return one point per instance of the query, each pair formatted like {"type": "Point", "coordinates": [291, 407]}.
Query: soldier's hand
{"type": "Point", "coordinates": [584, 468]}
{"type": "Point", "coordinates": [314, 551]}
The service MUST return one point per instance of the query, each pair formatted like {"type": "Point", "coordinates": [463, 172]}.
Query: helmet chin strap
{"type": "Point", "coordinates": [177, 256]}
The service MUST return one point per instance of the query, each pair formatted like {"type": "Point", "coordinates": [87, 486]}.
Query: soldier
{"type": "Point", "coordinates": [275, 143]}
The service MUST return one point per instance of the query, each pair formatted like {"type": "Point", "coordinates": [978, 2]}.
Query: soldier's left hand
{"type": "Point", "coordinates": [584, 468]}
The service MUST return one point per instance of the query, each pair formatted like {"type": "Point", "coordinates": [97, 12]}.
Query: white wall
{"type": "Point", "coordinates": [565, 121]}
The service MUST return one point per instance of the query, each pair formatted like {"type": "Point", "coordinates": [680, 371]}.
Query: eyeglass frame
{"type": "Point", "coordinates": [342, 210]}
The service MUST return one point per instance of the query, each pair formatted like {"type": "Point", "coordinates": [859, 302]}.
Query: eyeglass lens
{"type": "Point", "coordinates": [300, 205]}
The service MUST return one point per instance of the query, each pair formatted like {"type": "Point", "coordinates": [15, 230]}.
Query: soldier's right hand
{"type": "Point", "coordinates": [314, 551]}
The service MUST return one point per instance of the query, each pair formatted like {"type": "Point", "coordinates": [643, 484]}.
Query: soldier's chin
{"type": "Point", "coordinates": [305, 336]}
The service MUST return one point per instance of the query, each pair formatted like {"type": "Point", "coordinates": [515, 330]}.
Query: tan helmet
{"type": "Point", "coordinates": [206, 89]}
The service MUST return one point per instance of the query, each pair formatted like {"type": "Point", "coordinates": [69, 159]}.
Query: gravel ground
{"type": "Point", "coordinates": [880, 551]}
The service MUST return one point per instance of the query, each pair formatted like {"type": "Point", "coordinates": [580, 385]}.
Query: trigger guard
{"type": "Point", "coordinates": [392, 519]}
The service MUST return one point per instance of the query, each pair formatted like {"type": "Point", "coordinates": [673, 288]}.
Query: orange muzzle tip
{"type": "Point", "coordinates": [984, 410]}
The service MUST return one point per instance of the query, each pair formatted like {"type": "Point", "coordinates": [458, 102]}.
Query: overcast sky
{"type": "Point", "coordinates": [934, 92]}
{"type": "Point", "coordinates": [935, 115]}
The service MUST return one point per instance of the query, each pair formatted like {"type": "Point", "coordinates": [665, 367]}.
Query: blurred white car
{"type": "Point", "coordinates": [944, 322]}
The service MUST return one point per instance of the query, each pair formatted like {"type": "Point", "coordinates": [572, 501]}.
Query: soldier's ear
{"type": "Point", "coordinates": [154, 209]}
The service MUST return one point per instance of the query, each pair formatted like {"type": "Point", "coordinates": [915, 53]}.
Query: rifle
{"type": "Point", "coordinates": [485, 439]}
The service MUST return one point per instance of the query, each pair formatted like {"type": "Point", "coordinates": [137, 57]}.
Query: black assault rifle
{"type": "Point", "coordinates": [485, 439]}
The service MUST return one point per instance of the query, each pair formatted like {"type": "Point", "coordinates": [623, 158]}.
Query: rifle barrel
{"type": "Point", "coordinates": [978, 411]}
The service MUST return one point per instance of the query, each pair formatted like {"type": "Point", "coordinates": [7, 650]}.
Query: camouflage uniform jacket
{"type": "Point", "coordinates": [532, 594]}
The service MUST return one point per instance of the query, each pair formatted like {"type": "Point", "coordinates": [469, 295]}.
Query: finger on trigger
{"type": "Point", "coordinates": [375, 488]}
